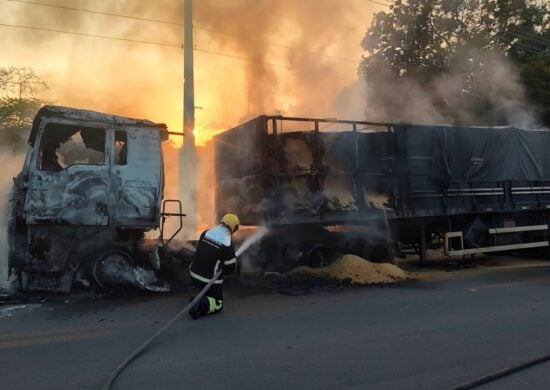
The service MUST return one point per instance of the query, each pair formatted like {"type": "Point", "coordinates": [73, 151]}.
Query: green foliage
{"type": "Point", "coordinates": [18, 106]}
{"type": "Point", "coordinates": [425, 40]}
{"type": "Point", "coordinates": [23, 82]}
{"type": "Point", "coordinates": [16, 117]}
{"type": "Point", "coordinates": [535, 74]}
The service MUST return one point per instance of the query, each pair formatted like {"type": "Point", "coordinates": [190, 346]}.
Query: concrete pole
{"type": "Point", "coordinates": [188, 159]}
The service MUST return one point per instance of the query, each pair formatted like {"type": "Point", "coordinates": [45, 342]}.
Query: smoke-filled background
{"type": "Point", "coordinates": [10, 163]}
{"type": "Point", "coordinates": [243, 64]}
{"type": "Point", "coordinates": [445, 61]}
{"type": "Point", "coordinates": [252, 57]}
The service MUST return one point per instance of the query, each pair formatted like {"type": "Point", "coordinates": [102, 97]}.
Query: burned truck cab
{"type": "Point", "coordinates": [91, 186]}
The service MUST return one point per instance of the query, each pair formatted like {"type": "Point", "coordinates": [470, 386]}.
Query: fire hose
{"type": "Point", "coordinates": [501, 373]}
{"type": "Point", "coordinates": [116, 372]}
{"type": "Point", "coordinates": [260, 232]}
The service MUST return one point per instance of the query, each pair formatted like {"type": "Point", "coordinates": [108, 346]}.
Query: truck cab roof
{"type": "Point", "coordinates": [61, 112]}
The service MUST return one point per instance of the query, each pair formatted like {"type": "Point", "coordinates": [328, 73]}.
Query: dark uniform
{"type": "Point", "coordinates": [215, 251]}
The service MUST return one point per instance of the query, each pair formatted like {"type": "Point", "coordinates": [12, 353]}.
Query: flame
{"type": "Point", "coordinates": [204, 134]}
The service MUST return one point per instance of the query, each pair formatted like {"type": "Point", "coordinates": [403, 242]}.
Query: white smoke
{"type": "Point", "coordinates": [478, 89]}
{"type": "Point", "coordinates": [11, 164]}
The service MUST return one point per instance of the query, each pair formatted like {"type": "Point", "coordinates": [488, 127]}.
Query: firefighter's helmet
{"type": "Point", "coordinates": [231, 221]}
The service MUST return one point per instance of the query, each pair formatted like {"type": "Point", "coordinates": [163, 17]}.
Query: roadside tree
{"type": "Point", "coordinates": [18, 105]}
{"type": "Point", "coordinates": [455, 52]}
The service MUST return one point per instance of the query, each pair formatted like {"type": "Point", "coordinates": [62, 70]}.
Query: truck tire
{"type": "Point", "coordinates": [319, 256]}
{"type": "Point", "coordinates": [380, 254]}
{"type": "Point", "coordinates": [113, 267]}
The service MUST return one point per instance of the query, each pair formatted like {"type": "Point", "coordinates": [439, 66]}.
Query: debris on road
{"type": "Point", "coordinates": [8, 311]}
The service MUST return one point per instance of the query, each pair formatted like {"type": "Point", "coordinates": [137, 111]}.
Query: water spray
{"type": "Point", "coordinates": [254, 238]}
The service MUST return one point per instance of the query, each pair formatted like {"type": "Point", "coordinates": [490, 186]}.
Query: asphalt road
{"type": "Point", "coordinates": [423, 335]}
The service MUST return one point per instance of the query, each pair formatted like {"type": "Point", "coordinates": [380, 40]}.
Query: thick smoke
{"type": "Point", "coordinates": [140, 80]}
{"type": "Point", "coordinates": [11, 165]}
{"type": "Point", "coordinates": [206, 184]}
{"type": "Point", "coordinates": [294, 80]}
{"type": "Point", "coordinates": [145, 80]}
{"type": "Point", "coordinates": [488, 92]}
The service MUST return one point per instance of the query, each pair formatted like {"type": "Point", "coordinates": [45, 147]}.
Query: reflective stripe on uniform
{"type": "Point", "coordinates": [214, 306]}
{"type": "Point", "coordinates": [203, 279]}
{"type": "Point", "coordinates": [229, 262]}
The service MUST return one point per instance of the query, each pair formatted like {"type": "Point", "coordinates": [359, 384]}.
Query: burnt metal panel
{"type": "Point", "coordinates": [240, 164]}
{"type": "Point", "coordinates": [77, 196]}
{"type": "Point", "coordinates": [106, 192]}
{"type": "Point", "coordinates": [295, 170]}
{"type": "Point", "coordinates": [48, 113]}
{"type": "Point", "coordinates": [137, 185]}
{"type": "Point", "coordinates": [329, 171]}
{"type": "Point", "coordinates": [68, 175]}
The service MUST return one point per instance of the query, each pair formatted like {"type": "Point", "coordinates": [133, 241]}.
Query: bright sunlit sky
{"type": "Point", "coordinates": [145, 80]}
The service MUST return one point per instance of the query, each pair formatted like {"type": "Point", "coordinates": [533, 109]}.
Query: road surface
{"type": "Point", "coordinates": [423, 335]}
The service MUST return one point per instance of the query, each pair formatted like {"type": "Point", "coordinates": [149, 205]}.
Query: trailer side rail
{"type": "Point", "coordinates": [457, 236]}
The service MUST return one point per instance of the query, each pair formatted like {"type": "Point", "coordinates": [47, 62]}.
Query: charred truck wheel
{"type": "Point", "coordinates": [319, 255]}
{"type": "Point", "coordinates": [113, 267]}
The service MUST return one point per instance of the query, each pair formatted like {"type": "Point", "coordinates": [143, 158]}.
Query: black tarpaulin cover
{"type": "Point", "coordinates": [480, 153]}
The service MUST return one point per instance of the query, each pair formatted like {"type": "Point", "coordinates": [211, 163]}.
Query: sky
{"type": "Point", "coordinates": [278, 44]}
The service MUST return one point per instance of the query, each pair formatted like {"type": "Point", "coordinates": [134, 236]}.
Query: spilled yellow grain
{"type": "Point", "coordinates": [359, 270]}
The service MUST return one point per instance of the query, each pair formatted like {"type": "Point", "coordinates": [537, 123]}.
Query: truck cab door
{"type": "Point", "coordinates": [136, 176]}
{"type": "Point", "coordinates": [69, 180]}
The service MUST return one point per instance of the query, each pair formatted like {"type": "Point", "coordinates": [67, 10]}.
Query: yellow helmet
{"type": "Point", "coordinates": [231, 221]}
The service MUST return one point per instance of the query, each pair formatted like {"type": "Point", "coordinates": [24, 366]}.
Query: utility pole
{"type": "Point", "coordinates": [188, 158]}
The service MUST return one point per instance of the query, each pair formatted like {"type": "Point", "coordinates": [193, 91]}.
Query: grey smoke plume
{"type": "Point", "coordinates": [11, 164]}
{"type": "Point", "coordinates": [478, 89]}
{"type": "Point", "coordinates": [145, 81]}
{"type": "Point", "coordinates": [316, 25]}
{"type": "Point", "coordinates": [266, 78]}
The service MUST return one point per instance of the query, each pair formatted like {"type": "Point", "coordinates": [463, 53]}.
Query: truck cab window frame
{"type": "Point", "coordinates": [65, 145]}
{"type": "Point", "coordinates": [121, 148]}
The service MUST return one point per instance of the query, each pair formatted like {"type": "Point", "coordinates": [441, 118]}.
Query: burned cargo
{"type": "Point", "coordinates": [374, 189]}
{"type": "Point", "coordinates": [90, 187]}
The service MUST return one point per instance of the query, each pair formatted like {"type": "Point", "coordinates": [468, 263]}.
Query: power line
{"type": "Point", "coordinates": [91, 35]}
{"type": "Point", "coordinates": [96, 12]}
{"type": "Point", "coordinates": [525, 43]}
{"type": "Point", "coordinates": [243, 58]}
{"type": "Point", "coordinates": [156, 43]}
{"type": "Point", "coordinates": [529, 37]}
{"type": "Point", "coordinates": [263, 62]}
{"type": "Point", "coordinates": [276, 44]}
{"type": "Point", "coordinates": [379, 3]}
{"type": "Point", "coordinates": [195, 27]}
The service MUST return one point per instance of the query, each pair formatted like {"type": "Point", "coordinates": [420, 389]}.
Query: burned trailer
{"type": "Point", "coordinates": [325, 186]}
{"type": "Point", "coordinates": [304, 179]}
{"type": "Point", "coordinates": [90, 187]}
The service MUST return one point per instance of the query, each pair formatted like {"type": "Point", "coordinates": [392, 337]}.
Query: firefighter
{"type": "Point", "coordinates": [215, 251]}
